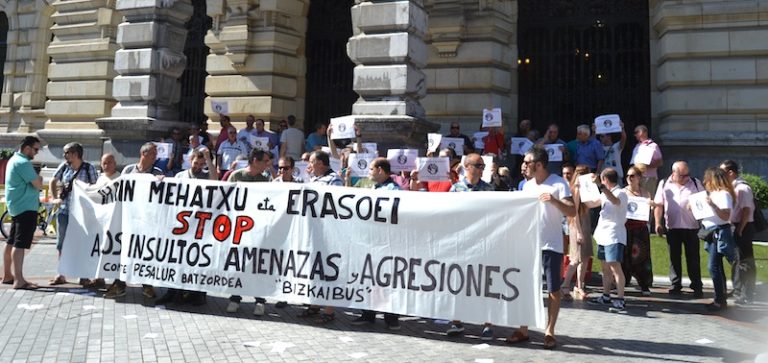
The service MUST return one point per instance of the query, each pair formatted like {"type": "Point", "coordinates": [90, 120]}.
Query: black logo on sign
{"type": "Point", "coordinates": [607, 123]}
{"type": "Point", "coordinates": [699, 206]}
{"type": "Point", "coordinates": [342, 127]}
{"type": "Point", "coordinates": [488, 116]}
{"type": "Point", "coordinates": [432, 169]}
{"type": "Point", "coordinates": [402, 159]}
{"type": "Point", "coordinates": [632, 207]}
{"type": "Point", "coordinates": [551, 152]}
{"type": "Point", "coordinates": [362, 164]}
{"type": "Point", "coordinates": [431, 142]}
{"type": "Point", "coordinates": [452, 145]}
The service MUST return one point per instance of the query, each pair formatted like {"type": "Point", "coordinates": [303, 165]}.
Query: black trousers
{"type": "Point", "coordinates": [744, 271]}
{"type": "Point", "coordinates": [677, 239]}
{"type": "Point", "coordinates": [371, 315]}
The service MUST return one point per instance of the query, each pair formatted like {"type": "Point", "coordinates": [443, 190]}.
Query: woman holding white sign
{"type": "Point", "coordinates": [637, 254]}
{"type": "Point", "coordinates": [721, 243]}
{"type": "Point", "coordinates": [580, 241]}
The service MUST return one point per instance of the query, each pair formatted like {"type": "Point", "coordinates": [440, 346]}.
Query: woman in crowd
{"type": "Point", "coordinates": [637, 254]}
{"type": "Point", "coordinates": [580, 237]}
{"type": "Point", "coordinates": [719, 242]}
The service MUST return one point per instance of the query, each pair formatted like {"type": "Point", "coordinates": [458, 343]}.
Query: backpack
{"type": "Point", "coordinates": [759, 221]}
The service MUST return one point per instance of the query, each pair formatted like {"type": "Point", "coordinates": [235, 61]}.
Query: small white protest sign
{"type": "Point", "coordinates": [335, 164]}
{"type": "Point", "coordinates": [433, 169]}
{"type": "Point", "coordinates": [433, 141]}
{"type": "Point", "coordinates": [492, 117]}
{"type": "Point", "coordinates": [555, 154]}
{"type": "Point", "coordinates": [164, 150]}
{"type": "Point", "coordinates": [479, 136]}
{"type": "Point", "coordinates": [588, 189]}
{"type": "Point", "coordinates": [260, 143]}
{"type": "Point", "coordinates": [607, 124]}
{"type": "Point", "coordinates": [638, 208]}
{"type": "Point", "coordinates": [402, 159]}
{"type": "Point", "coordinates": [455, 143]}
{"type": "Point", "coordinates": [343, 127]}
{"type": "Point", "coordinates": [220, 107]}
{"type": "Point", "coordinates": [699, 206]}
{"type": "Point", "coordinates": [300, 170]}
{"type": "Point", "coordinates": [519, 145]}
{"type": "Point", "coordinates": [359, 164]}
{"type": "Point", "coordinates": [644, 155]}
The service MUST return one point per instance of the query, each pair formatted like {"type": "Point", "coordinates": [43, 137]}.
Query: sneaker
{"type": "Point", "coordinates": [259, 309]}
{"type": "Point", "coordinates": [455, 329]}
{"type": "Point", "coordinates": [281, 304]}
{"type": "Point", "coordinates": [675, 291]}
{"type": "Point", "coordinates": [742, 301]}
{"type": "Point", "coordinates": [487, 333]}
{"type": "Point", "coordinates": [698, 294]}
{"type": "Point", "coordinates": [233, 306]}
{"type": "Point", "coordinates": [114, 292]}
{"type": "Point", "coordinates": [617, 305]}
{"type": "Point", "coordinates": [646, 292]}
{"type": "Point", "coordinates": [148, 292]}
{"type": "Point", "coordinates": [360, 320]}
{"type": "Point", "coordinates": [600, 300]}
{"type": "Point", "coordinates": [715, 307]}
{"type": "Point", "coordinates": [393, 325]}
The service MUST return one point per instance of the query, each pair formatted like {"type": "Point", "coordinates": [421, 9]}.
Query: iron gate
{"type": "Point", "coordinates": [579, 59]}
{"type": "Point", "coordinates": [329, 69]}
{"type": "Point", "coordinates": [193, 79]}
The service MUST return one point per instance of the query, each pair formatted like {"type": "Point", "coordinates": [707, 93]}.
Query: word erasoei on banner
{"type": "Point", "coordinates": [343, 127]}
{"type": "Point", "coordinates": [390, 251]}
{"type": "Point", "coordinates": [492, 117]}
{"type": "Point", "coordinates": [402, 159]}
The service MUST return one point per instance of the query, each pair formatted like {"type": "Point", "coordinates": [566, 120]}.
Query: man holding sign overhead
{"type": "Point", "coordinates": [647, 153]}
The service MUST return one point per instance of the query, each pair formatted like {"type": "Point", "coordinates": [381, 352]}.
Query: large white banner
{"type": "Point", "coordinates": [468, 256]}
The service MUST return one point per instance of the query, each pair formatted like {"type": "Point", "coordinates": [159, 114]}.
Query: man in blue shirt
{"type": "Point", "coordinates": [22, 197]}
{"type": "Point", "coordinates": [316, 139]}
{"type": "Point", "coordinates": [589, 151]}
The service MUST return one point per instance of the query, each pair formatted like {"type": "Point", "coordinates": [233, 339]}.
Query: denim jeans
{"type": "Point", "coordinates": [722, 245]}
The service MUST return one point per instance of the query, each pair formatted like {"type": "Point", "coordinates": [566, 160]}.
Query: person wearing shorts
{"type": "Point", "coordinates": [22, 195]}
{"type": "Point", "coordinates": [553, 192]}
{"type": "Point", "coordinates": [611, 237]}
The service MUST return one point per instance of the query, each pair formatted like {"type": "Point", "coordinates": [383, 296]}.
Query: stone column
{"type": "Point", "coordinates": [256, 64]}
{"type": "Point", "coordinates": [147, 88]}
{"type": "Point", "coordinates": [389, 50]}
{"type": "Point", "coordinates": [472, 62]}
{"type": "Point", "coordinates": [80, 74]}
{"type": "Point", "coordinates": [709, 74]}
{"type": "Point", "coordinates": [22, 105]}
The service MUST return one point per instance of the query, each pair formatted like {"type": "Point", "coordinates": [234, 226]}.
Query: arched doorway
{"type": "Point", "coordinates": [580, 59]}
{"type": "Point", "coordinates": [329, 74]}
{"type": "Point", "coordinates": [193, 79]}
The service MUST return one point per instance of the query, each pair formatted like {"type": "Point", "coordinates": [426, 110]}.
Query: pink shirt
{"type": "Point", "coordinates": [744, 199]}
{"type": "Point", "coordinates": [648, 143]}
{"type": "Point", "coordinates": [675, 199]}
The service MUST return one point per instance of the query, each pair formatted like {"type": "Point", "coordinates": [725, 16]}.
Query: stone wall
{"type": "Point", "coordinates": [472, 61]}
{"type": "Point", "coordinates": [710, 81]}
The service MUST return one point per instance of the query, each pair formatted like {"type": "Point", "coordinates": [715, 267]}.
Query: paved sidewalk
{"type": "Point", "coordinates": [71, 324]}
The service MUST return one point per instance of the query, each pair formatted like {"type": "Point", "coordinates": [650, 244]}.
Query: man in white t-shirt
{"type": "Point", "coordinates": [611, 237]}
{"type": "Point", "coordinates": [554, 192]}
{"type": "Point", "coordinates": [229, 150]}
{"type": "Point", "coordinates": [292, 140]}
{"type": "Point", "coordinates": [613, 151]}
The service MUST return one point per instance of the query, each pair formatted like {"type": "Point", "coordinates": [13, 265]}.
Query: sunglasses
{"type": "Point", "coordinates": [454, 127]}
{"type": "Point", "coordinates": [478, 166]}
{"type": "Point", "coordinates": [283, 167]}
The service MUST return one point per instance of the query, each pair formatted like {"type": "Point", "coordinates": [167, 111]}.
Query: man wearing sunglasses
{"type": "Point", "coordinates": [681, 227]}
{"type": "Point", "coordinates": [456, 132]}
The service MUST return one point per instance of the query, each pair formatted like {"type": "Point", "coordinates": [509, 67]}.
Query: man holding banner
{"type": "Point", "coordinates": [380, 171]}
{"type": "Point", "coordinates": [554, 192]}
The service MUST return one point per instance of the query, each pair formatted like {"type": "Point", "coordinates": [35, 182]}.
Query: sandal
{"type": "Point", "coordinates": [325, 318]}
{"type": "Point", "coordinates": [309, 312]}
{"type": "Point", "coordinates": [27, 286]}
{"type": "Point", "coordinates": [59, 280]}
{"type": "Point", "coordinates": [549, 342]}
{"type": "Point", "coordinates": [517, 337]}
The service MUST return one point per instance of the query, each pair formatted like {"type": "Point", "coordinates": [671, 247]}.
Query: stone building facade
{"type": "Point", "coordinates": [114, 73]}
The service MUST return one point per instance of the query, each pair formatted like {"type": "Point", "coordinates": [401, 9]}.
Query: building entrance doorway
{"type": "Point", "coordinates": [193, 78]}
{"type": "Point", "coordinates": [329, 70]}
{"type": "Point", "coordinates": [581, 59]}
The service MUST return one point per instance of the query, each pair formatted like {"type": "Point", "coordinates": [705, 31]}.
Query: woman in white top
{"type": "Point", "coordinates": [719, 243]}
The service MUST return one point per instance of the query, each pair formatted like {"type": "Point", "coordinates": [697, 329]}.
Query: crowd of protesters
{"type": "Point", "coordinates": [257, 154]}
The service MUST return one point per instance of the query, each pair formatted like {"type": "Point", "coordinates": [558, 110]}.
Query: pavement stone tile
{"type": "Point", "coordinates": [72, 327]}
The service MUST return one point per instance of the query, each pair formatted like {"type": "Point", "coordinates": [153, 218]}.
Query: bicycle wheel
{"type": "Point", "coordinates": [5, 224]}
